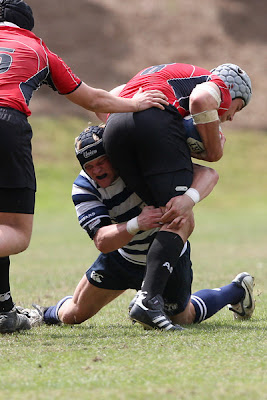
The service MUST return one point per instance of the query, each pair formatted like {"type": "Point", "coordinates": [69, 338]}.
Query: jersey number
{"type": "Point", "coordinates": [5, 59]}
{"type": "Point", "coordinates": [152, 70]}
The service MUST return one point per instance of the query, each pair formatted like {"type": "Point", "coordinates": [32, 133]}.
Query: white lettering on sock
{"type": "Point", "coordinates": [5, 296]}
{"type": "Point", "coordinates": [168, 266]}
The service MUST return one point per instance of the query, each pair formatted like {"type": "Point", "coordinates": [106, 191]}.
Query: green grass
{"type": "Point", "coordinates": [107, 357]}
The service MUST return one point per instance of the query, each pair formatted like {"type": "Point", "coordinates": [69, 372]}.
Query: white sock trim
{"type": "Point", "coordinates": [202, 307]}
{"type": "Point", "coordinates": [59, 304]}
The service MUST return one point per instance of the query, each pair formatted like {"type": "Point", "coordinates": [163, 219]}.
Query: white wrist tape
{"type": "Point", "coordinates": [205, 117]}
{"type": "Point", "coordinates": [132, 226]}
{"type": "Point", "coordinates": [193, 194]}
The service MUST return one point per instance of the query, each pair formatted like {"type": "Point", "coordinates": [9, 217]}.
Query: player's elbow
{"type": "Point", "coordinates": [102, 245]}
{"type": "Point", "coordinates": [198, 103]}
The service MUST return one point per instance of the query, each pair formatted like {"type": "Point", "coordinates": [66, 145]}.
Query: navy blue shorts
{"type": "Point", "coordinates": [112, 271]}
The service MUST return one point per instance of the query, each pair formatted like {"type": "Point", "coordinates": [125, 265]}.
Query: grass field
{"type": "Point", "coordinates": [107, 357]}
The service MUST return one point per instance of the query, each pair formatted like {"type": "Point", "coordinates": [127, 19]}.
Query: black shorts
{"type": "Point", "coordinates": [16, 164]}
{"type": "Point", "coordinates": [21, 200]}
{"type": "Point", "coordinates": [150, 151]}
{"type": "Point", "coordinates": [112, 271]}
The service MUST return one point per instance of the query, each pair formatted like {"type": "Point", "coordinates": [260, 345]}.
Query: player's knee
{"type": "Point", "coordinates": [21, 243]}
{"type": "Point", "coordinates": [71, 319]}
{"type": "Point", "coordinates": [26, 242]}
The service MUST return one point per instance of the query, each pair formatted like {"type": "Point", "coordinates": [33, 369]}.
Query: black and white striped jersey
{"type": "Point", "coordinates": [97, 207]}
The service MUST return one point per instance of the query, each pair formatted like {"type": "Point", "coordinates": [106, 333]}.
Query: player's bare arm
{"type": "Point", "coordinates": [204, 103]}
{"type": "Point", "coordinates": [99, 100]}
{"type": "Point", "coordinates": [116, 92]}
{"type": "Point", "coordinates": [112, 237]}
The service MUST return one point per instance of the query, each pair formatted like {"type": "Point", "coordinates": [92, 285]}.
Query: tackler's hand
{"type": "Point", "coordinates": [150, 98]}
{"type": "Point", "coordinates": [177, 211]}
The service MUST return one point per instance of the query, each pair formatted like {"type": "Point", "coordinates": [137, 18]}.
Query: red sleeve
{"type": "Point", "coordinates": [63, 79]}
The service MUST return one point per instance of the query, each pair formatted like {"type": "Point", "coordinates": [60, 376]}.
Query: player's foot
{"type": "Point", "coordinates": [132, 302]}
{"type": "Point", "coordinates": [153, 316]}
{"type": "Point", "coordinates": [244, 309]}
{"type": "Point", "coordinates": [35, 316]}
{"type": "Point", "coordinates": [12, 321]}
{"type": "Point", "coordinates": [41, 311]}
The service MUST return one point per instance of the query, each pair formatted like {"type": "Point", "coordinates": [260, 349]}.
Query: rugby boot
{"type": "Point", "coordinates": [35, 316]}
{"type": "Point", "coordinates": [131, 304]}
{"type": "Point", "coordinates": [12, 321]}
{"type": "Point", "coordinates": [153, 316]}
{"type": "Point", "coordinates": [244, 309]}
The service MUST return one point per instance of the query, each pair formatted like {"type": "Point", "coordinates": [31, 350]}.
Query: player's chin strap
{"type": "Point", "coordinates": [205, 117]}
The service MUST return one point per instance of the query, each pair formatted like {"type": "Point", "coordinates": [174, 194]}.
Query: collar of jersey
{"type": "Point", "coordinates": [6, 23]}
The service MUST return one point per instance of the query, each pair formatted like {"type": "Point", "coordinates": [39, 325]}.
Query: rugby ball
{"type": "Point", "coordinates": [193, 138]}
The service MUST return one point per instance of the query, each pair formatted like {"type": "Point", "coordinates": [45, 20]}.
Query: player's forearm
{"type": "Point", "coordinates": [115, 91]}
{"type": "Point", "coordinates": [99, 100]}
{"type": "Point", "coordinates": [112, 237]}
{"type": "Point", "coordinates": [211, 139]}
{"type": "Point", "coordinates": [106, 102]}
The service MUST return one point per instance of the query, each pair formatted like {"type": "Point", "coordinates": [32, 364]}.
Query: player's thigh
{"type": "Point", "coordinates": [17, 209]}
{"type": "Point", "coordinates": [164, 186]}
{"type": "Point", "coordinates": [22, 223]}
{"type": "Point", "coordinates": [16, 163]}
{"type": "Point", "coordinates": [146, 145]}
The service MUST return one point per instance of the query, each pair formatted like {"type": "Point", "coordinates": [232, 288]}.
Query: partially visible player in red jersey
{"type": "Point", "coordinates": [25, 64]}
{"type": "Point", "coordinates": [177, 81]}
{"type": "Point", "coordinates": [150, 151]}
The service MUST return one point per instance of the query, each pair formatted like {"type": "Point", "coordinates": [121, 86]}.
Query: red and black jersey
{"type": "Point", "coordinates": [176, 81]}
{"type": "Point", "coordinates": [25, 64]}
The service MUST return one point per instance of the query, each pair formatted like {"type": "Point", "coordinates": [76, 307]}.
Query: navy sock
{"type": "Point", "coordinates": [208, 302]}
{"type": "Point", "coordinates": [6, 302]}
{"type": "Point", "coordinates": [162, 256]}
{"type": "Point", "coordinates": [51, 313]}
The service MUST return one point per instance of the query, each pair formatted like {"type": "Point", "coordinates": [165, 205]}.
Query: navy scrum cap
{"type": "Point", "coordinates": [18, 12]}
{"type": "Point", "coordinates": [89, 145]}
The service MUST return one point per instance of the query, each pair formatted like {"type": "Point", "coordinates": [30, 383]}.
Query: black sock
{"type": "Point", "coordinates": [6, 303]}
{"type": "Point", "coordinates": [161, 258]}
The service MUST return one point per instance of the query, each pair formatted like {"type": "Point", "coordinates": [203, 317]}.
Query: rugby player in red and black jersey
{"type": "Point", "coordinates": [150, 151]}
{"type": "Point", "coordinates": [25, 64]}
